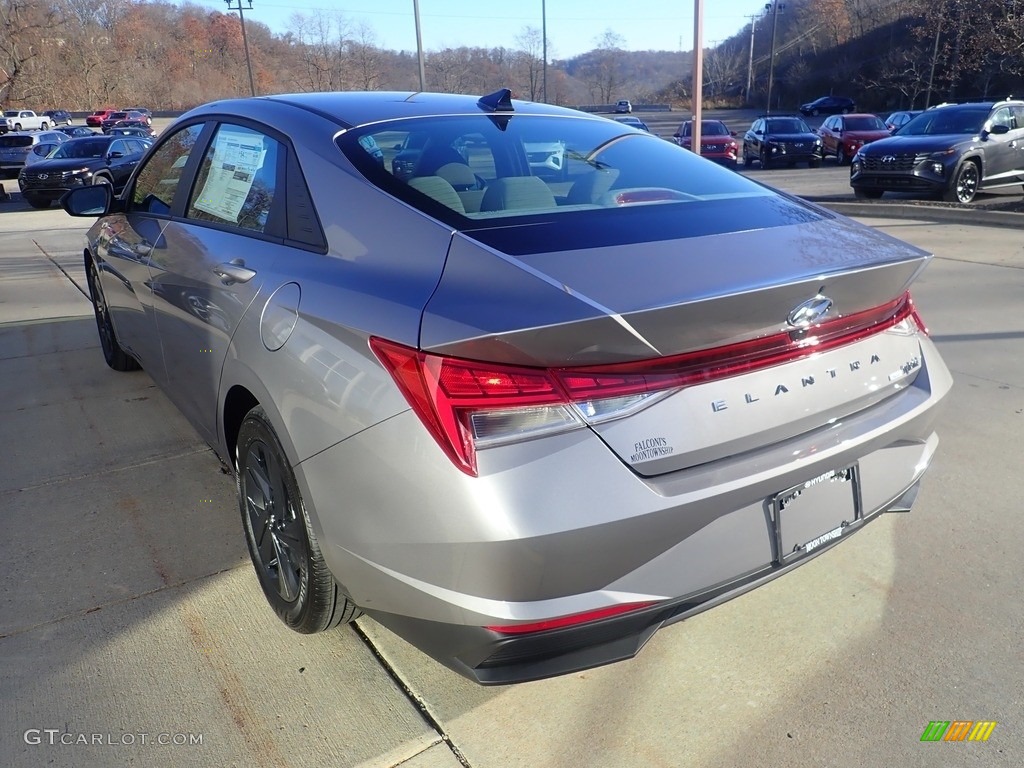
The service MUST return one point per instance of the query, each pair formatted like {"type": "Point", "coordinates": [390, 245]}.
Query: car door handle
{"type": "Point", "coordinates": [234, 271]}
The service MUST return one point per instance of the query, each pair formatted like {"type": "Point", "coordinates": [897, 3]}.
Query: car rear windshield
{"type": "Point", "coordinates": [9, 142]}
{"type": "Point", "coordinates": [787, 126]}
{"type": "Point", "coordinates": [944, 121]}
{"type": "Point", "coordinates": [864, 124]}
{"type": "Point", "coordinates": [582, 177]}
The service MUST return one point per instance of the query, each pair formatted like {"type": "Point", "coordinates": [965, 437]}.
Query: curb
{"type": "Point", "coordinates": [970, 216]}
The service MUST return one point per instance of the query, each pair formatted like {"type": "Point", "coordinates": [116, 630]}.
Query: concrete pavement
{"type": "Point", "coordinates": [129, 610]}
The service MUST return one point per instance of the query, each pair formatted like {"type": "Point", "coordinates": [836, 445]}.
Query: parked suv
{"type": "Point", "coordinates": [776, 139]}
{"type": "Point", "coordinates": [15, 148]}
{"type": "Point", "coordinates": [59, 117]}
{"type": "Point", "coordinates": [954, 150]}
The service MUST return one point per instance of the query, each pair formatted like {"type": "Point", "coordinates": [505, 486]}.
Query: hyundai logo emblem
{"type": "Point", "coordinates": [43, 176]}
{"type": "Point", "coordinates": [810, 312]}
{"type": "Point", "coordinates": [889, 159]}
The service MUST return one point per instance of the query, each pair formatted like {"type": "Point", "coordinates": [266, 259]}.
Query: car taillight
{"type": "Point", "coordinates": [470, 404]}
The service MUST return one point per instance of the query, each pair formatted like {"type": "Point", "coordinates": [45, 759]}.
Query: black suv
{"type": "Point", "coordinates": [81, 162]}
{"type": "Point", "coordinates": [954, 150]}
{"type": "Point", "coordinates": [777, 139]}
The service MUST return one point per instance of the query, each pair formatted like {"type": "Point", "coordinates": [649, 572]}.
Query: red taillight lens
{"type": "Point", "coordinates": [569, 621]}
{"type": "Point", "coordinates": [465, 403]}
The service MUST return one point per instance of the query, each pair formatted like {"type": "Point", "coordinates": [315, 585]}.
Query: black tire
{"type": "Point", "coordinates": [748, 158]}
{"type": "Point", "coordinates": [284, 551]}
{"type": "Point", "coordinates": [113, 353]}
{"type": "Point", "coordinates": [762, 158]}
{"type": "Point", "coordinates": [841, 158]}
{"type": "Point", "coordinates": [814, 163]}
{"type": "Point", "coordinates": [867, 194]}
{"type": "Point", "coordinates": [101, 179]}
{"type": "Point", "coordinates": [43, 126]}
{"type": "Point", "coordinates": [965, 183]}
{"type": "Point", "coordinates": [38, 202]}
{"type": "Point", "coordinates": [814, 113]}
{"type": "Point", "coordinates": [846, 110]}
{"type": "Point", "coordinates": [17, 126]}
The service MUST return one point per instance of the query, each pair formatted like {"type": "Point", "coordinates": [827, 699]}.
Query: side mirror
{"type": "Point", "coordinates": [115, 155]}
{"type": "Point", "coordinates": [732, 133]}
{"type": "Point", "coordinates": [93, 200]}
{"type": "Point", "coordinates": [999, 130]}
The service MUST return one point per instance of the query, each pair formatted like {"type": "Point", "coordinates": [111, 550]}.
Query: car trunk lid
{"type": "Point", "coordinates": [721, 307]}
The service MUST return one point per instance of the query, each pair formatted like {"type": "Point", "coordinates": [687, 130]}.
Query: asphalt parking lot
{"type": "Point", "coordinates": [133, 633]}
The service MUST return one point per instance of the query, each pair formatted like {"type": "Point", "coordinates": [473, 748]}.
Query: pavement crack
{"type": "Point", "coordinates": [108, 471]}
{"type": "Point", "coordinates": [411, 695]}
{"type": "Point", "coordinates": [63, 271]}
{"type": "Point", "coordinates": [115, 603]}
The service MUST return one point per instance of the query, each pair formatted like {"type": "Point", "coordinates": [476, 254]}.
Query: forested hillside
{"type": "Point", "coordinates": [80, 54]}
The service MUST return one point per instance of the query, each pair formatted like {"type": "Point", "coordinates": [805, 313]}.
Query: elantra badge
{"type": "Point", "coordinates": [810, 312]}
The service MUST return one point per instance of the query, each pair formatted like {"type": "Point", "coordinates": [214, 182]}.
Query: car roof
{"type": "Point", "coordinates": [349, 109]}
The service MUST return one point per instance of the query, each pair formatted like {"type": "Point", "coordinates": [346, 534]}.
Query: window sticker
{"type": "Point", "coordinates": [237, 156]}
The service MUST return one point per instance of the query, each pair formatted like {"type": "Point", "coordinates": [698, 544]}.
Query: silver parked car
{"type": "Point", "coordinates": [522, 420]}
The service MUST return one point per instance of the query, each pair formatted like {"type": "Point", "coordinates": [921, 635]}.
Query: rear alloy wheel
{"type": "Point", "coordinates": [113, 353]}
{"type": "Point", "coordinates": [814, 113]}
{"type": "Point", "coordinates": [284, 551]}
{"type": "Point", "coordinates": [965, 184]}
{"type": "Point", "coordinates": [867, 194]}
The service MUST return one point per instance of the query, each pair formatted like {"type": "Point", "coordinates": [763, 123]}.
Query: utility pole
{"type": "Point", "coordinates": [775, 6]}
{"type": "Point", "coordinates": [750, 61]}
{"type": "Point", "coordinates": [245, 41]}
{"type": "Point", "coordinates": [544, 48]}
{"type": "Point", "coordinates": [698, 74]}
{"type": "Point", "coordinates": [419, 45]}
{"type": "Point", "coordinates": [935, 55]}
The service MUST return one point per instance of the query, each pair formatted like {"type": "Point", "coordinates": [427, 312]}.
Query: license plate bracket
{"type": "Point", "coordinates": [815, 512]}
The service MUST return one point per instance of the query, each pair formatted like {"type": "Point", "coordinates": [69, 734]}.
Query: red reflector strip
{"type": "Point", "coordinates": [691, 368]}
{"type": "Point", "coordinates": [572, 620]}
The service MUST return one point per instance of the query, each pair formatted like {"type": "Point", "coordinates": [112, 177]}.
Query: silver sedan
{"type": "Point", "coordinates": [523, 411]}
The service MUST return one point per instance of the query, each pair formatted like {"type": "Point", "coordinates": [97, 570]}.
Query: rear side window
{"type": "Point", "coordinates": [15, 142]}
{"type": "Point", "coordinates": [237, 179]}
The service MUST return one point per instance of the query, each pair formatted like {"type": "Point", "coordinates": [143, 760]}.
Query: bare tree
{"type": "Point", "coordinates": [24, 28]}
{"type": "Point", "coordinates": [324, 37]}
{"type": "Point", "coordinates": [531, 62]}
{"type": "Point", "coordinates": [365, 58]}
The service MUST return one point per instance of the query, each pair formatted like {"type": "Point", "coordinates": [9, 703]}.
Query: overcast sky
{"type": "Point", "coordinates": [573, 26]}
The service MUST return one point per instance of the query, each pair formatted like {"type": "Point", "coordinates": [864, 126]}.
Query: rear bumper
{"type": "Point", "coordinates": [490, 658]}
{"type": "Point", "coordinates": [438, 556]}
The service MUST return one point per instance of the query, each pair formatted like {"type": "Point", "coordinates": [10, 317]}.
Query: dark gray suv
{"type": "Point", "coordinates": [953, 151]}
